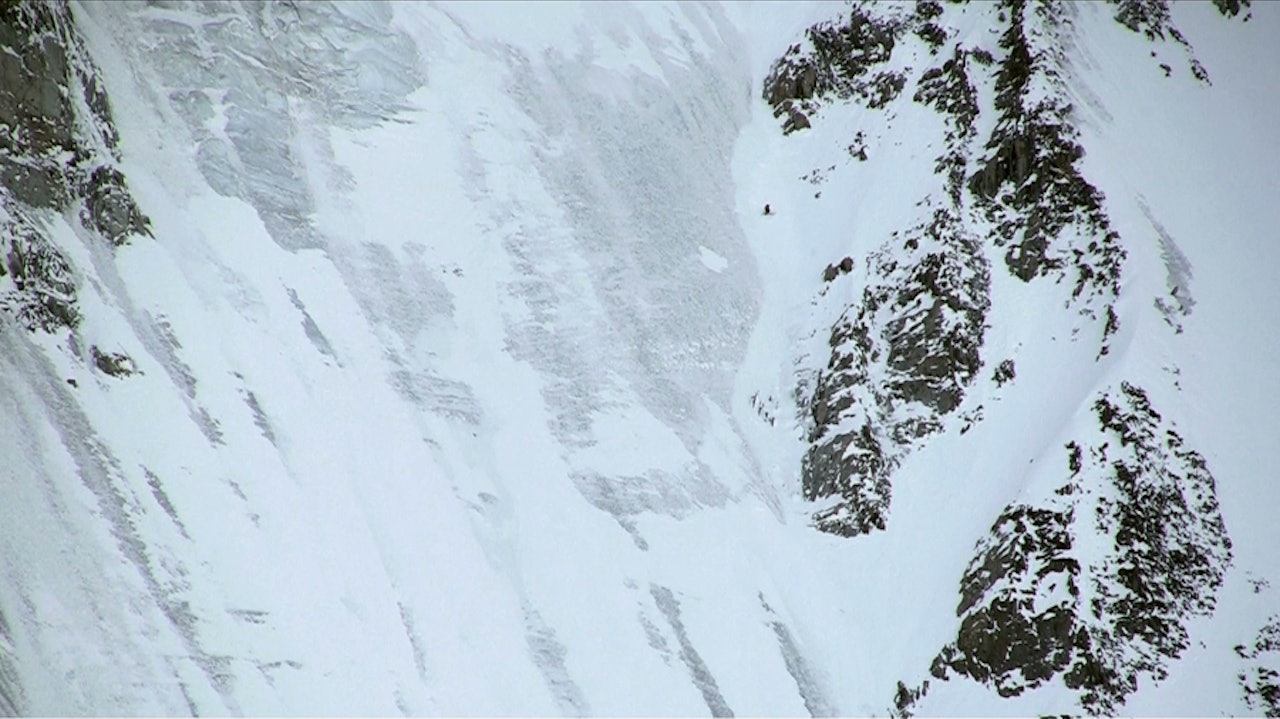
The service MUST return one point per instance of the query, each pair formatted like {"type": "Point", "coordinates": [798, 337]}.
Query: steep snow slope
{"type": "Point", "coordinates": [437, 358]}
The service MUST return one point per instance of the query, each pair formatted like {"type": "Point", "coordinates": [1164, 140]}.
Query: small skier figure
{"type": "Point", "coordinates": [767, 211]}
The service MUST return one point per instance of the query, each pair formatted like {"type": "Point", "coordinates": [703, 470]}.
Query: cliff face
{"type": "Point", "coordinates": [58, 160]}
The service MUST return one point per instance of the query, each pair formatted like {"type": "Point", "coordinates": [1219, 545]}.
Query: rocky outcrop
{"type": "Point", "coordinates": [110, 209]}
{"type": "Point", "coordinates": [59, 147]}
{"type": "Point", "coordinates": [1149, 17]}
{"type": "Point", "coordinates": [1260, 681]}
{"type": "Point", "coordinates": [836, 59]}
{"type": "Point", "coordinates": [1047, 215]}
{"type": "Point", "coordinates": [949, 90]}
{"type": "Point", "coordinates": [1153, 20]}
{"type": "Point", "coordinates": [34, 104]}
{"type": "Point", "coordinates": [1040, 601]}
{"type": "Point", "coordinates": [57, 156]}
{"type": "Point", "coordinates": [58, 164]}
{"type": "Point", "coordinates": [901, 359]}
{"type": "Point", "coordinates": [1004, 372]}
{"type": "Point", "coordinates": [41, 291]}
{"type": "Point", "coordinates": [1035, 604]}
{"type": "Point", "coordinates": [895, 372]}
{"type": "Point", "coordinates": [115, 364]}
{"type": "Point", "coordinates": [843, 267]}
{"type": "Point", "coordinates": [1231, 8]}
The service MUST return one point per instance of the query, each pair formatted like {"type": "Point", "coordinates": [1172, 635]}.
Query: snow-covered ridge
{"type": "Point", "coordinates": [1009, 170]}
{"type": "Point", "coordinates": [437, 358]}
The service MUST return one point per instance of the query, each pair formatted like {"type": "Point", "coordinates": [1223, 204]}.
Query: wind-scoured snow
{"type": "Point", "coordinates": [461, 372]}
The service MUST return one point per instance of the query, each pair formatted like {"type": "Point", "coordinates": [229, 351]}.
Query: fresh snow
{"type": "Point", "coordinates": [515, 431]}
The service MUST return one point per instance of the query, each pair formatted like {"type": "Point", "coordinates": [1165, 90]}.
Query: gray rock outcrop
{"type": "Point", "coordinates": [58, 155]}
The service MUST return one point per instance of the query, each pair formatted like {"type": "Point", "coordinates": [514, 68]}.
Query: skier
{"type": "Point", "coordinates": [767, 211]}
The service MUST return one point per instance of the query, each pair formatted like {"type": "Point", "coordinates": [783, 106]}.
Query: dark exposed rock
{"type": "Point", "coordinates": [842, 267]}
{"type": "Point", "coordinates": [1035, 606]}
{"type": "Point", "coordinates": [1199, 73]}
{"type": "Point", "coordinates": [37, 186]}
{"type": "Point", "coordinates": [858, 149]}
{"type": "Point", "coordinates": [34, 78]}
{"type": "Point", "coordinates": [1260, 681]}
{"type": "Point", "coordinates": [1009, 642]}
{"type": "Point", "coordinates": [113, 363]}
{"type": "Point", "coordinates": [1023, 616]}
{"type": "Point", "coordinates": [928, 9]}
{"type": "Point", "coordinates": [1029, 185]}
{"type": "Point", "coordinates": [800, 84]}
{"type": "Point", "coordinates": [110, 208]}
{"type": "Point", "coordinates": [796, 120]}
{"type": "Point", "coordinates": [933, 35]}
{"type": "Point", "coordinates": [853, 467]}
{"type": "Point", "coordinates": [1152, 19]}
{"type": "Point", "coordinates": [900, 359]}
{"type": "Point", "coordinates": [949, 90]}
{"type": "Point", "coordinates": [1231, 8]}
{"type": "Point", "coordinates": [1110, 328]}
{"type": "Point", "coordinates": [52, 105]}
{"type": "Point", "coordinates": [905, 698]}
{"type": "Point", "coordinates": [903, 356]}
{"type": "Point", "coordinates": [851, 48]}
{"type": "Point", "coordinates": [57, 149]}
{"type": "Point", "coordinates": [883, 89]}
{"type": "Point", "coordinates": [1149, 17]}
{"type": "Point", "coordinates": [39, 291]}
{"type": "Point", "coordinates": [835, 59]}
{"type": "Point", "coordinates": [1004, 372]}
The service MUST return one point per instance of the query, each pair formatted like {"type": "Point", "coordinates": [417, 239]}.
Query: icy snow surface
{"type": "Point", "coordinates": [467, 358]}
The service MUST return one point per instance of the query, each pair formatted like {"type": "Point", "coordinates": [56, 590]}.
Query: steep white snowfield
{"type": "Point", "coordinates": [461, 372]}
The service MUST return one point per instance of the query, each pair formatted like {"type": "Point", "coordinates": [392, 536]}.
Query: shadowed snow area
{"type": "Point", "coordinates": [467, 376]}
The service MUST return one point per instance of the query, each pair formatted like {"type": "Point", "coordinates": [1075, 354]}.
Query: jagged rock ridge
{"type": "Point", "coordinates": [1034, 608]}
{"type": "Point", "coordinates": [1050, 214]}
{"type": "Point", "coordinates": [904, 355]}
{"type": "Point", "coordinates": [1035, 605]}
{"type": "Point", "coordinates": [919, 327]}
{"type": "Point", "coordinates": [1022, 187]}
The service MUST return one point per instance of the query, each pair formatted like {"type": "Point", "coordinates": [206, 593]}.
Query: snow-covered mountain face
{"type": "Point", "coordinates": [438, 358]}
